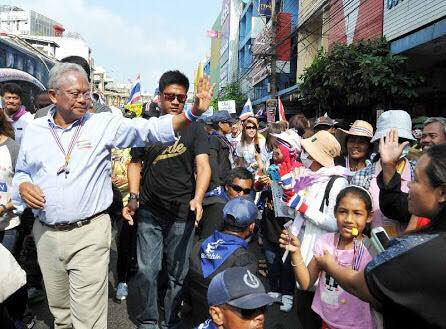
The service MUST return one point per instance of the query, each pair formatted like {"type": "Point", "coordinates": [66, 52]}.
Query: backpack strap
{"type": "Point", "coordinates": [327, 192]}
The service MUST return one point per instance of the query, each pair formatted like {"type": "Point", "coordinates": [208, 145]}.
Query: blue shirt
{"type": "Point", "coordinates": [87, 189]}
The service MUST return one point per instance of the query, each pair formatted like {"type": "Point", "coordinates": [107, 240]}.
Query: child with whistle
{"type": "Point", "coordinates": [337, 308]}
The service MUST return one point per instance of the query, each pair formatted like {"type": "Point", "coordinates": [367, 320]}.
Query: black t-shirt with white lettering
{"type": "Point", "coordinates": [168, 182]}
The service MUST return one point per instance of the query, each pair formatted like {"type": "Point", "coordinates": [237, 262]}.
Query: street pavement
{"type": "Point", "coordinates": [118, 314]}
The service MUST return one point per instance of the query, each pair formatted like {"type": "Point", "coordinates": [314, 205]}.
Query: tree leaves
{"type": "Point", "coordinates": [363, 75]}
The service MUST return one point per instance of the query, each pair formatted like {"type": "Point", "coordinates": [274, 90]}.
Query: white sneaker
{"type": "Point", "coordinates": [122, 291]}
{"type": "Point", "coordinates": [275, 295]}
{"type": "Point", "coordinates": [287, 303]}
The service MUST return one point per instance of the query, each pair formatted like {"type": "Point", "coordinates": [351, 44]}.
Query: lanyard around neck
{"type": "Point", "coordinates": [73, 141]}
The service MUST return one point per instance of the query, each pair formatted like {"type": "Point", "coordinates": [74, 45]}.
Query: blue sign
{"type": "Point", "coordinates": [265, 7]}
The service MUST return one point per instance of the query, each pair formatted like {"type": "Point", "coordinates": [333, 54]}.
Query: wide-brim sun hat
{"type": "Point", "coordinates": [394, 119]}
{"type": "Point", "coordinates": [360, 128]}
{"type": "Point", "coordinates": [323, 147]}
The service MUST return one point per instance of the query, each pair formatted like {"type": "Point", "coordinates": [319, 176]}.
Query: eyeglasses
{"type": "Point", "coordinates": [76, 94]}
{"type": "Point", "coordinates": [171, 97]}
{"type": "Point", "coordinates": [239, 189]}
{"type": "Point", "coordinates": [251, 128]}
{"type": "Point", "coordinates": [249, 314]}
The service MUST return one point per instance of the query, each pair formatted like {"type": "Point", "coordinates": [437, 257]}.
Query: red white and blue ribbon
{"type": "Point", "coordinates": [358, 251]}
{"type": "Point", "coordinates": [73, 141]}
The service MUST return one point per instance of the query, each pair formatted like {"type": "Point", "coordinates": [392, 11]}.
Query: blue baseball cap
{"type": "Point", "coordinates": [222, 116]}
{"type": "Point", "coordinates": [238, 287]}
{"type": "Point", "coordinates": [240, 212]}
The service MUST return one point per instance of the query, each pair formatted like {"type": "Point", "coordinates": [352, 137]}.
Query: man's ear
{"type": "Point", "coordinates": [52, 95]}
{"type": "Point", "coordinates": [216, 315]}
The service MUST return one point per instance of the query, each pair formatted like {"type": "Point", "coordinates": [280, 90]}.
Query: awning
{"type": "Point", "coordinates": [17, 75]}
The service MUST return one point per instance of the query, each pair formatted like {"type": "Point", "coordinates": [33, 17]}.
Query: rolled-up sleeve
{"type": "Point", "coordinates": [140, 132]}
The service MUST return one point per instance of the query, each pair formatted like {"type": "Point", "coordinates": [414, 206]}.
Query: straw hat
{"type": "Point", "coordinates": [360, 128]}
{"type": "Point", "coordinates": [323, 148]}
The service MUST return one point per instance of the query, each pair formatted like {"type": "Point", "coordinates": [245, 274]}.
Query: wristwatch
{"type": "Point", "coordinates": [133, 196]}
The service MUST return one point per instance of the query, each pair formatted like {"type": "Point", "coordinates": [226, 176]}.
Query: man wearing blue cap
{"type": "Point", "coordinates": [222, 250]}
{"type": "Point", "coordinates": [237, 300]}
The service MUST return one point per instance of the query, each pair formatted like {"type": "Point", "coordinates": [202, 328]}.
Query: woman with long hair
{"type": "Point", "coordinates": [251, 151]}
{"type": "Point", "coordinates": [407, 280]}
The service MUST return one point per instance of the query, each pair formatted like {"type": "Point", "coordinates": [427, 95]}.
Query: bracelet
{"type": "Point", "coordinates": [190, 116]}
{"type": "Point", "coordinates": [299, 264]}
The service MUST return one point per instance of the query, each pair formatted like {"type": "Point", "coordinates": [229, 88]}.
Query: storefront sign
{"type": "Point", "coordinates": [402, 17]}
{"type": "Point", "coordinates": [265, 7]}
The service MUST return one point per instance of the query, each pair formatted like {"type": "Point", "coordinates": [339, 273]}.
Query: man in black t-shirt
{"type": "Point", "coordinates": [170, 205]}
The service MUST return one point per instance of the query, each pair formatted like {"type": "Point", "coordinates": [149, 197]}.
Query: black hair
{"type": "Point", "coordinates": [369, 150]}
{"type": "Point", "coordinates": [362, 194]}
{"type": "Point", "coordinates": [79, 61]}
{"type": "Point", "coordinates": [271, 141]}
{"type": "Point", "coordinates": [173, 77]}
{"type": "Point", "coordinates": [12, 88]}
{"type": "Point", "coordinates": [436, 173]}
{"type": "Point", "coordinates": [240, 173]}
{"type": "Point", "coordinates": [233, 228]}
{"type": "Point", "coordinates": [358, 192]}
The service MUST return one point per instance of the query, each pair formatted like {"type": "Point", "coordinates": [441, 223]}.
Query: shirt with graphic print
{"type": "Point", "coordinates": [168, 182]}
{"type": "Point", "coordinates": [338, 308]}
{"type": "Point", "coordinates": [9, 150]}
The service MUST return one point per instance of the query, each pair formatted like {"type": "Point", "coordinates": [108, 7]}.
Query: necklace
{"type": "Point", "coordinates": [358, 251]}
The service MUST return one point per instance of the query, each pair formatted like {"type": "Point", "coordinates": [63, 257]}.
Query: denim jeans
{"type": "Point", "coordinates": [8, 239]}
{"type": "Point", "coordinates": [157, 236]}
{"type": "Point", "coordinates": [280, 275]}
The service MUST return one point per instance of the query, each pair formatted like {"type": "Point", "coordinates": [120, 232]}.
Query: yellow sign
{"type": "Point", "coordinates": [198, 75]}
{"type": "Point", "coordinates": [136, 108]}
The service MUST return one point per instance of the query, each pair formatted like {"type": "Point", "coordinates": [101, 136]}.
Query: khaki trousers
{"type": "Point", "coordinates": [74, 265]}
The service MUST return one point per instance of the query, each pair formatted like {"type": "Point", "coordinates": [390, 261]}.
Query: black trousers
{"type": "Point", "coordinates": [126, 250]}
{"type": "Point", "coordinates": [307, 317]}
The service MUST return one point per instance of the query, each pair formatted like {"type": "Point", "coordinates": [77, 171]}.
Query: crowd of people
{"type": "Point", "coordinates": [351, 221]}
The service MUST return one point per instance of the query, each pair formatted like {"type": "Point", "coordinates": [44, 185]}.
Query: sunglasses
{"type": "Point", "coordinates": [251, 127]}
{"type": "Point", "coordinates": [249, 314]}
{"type": "Point", "coordinates": [171, 97]}
{"type": "Point", "coordinates": [239, 189]}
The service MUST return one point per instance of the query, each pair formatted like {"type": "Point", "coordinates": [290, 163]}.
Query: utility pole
{"type": "Point", "coordinates": [273, 84]}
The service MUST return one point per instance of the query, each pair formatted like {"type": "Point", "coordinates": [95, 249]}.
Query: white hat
{"type": "Point", "coordinates": [394, 119]}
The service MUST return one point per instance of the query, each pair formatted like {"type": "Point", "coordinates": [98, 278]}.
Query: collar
{"type": "Point", "coordinates": [52, 113]}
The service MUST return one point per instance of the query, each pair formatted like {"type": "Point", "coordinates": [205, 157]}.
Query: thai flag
{"type": "Point", "coordinates": [135, 92]}
{"type": "Point", "coordinates": [281, 111]}
{"type": "Point", "coordinates": [247, 111]}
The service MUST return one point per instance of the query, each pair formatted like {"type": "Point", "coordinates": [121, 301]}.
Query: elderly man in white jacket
{"type": "Point", "coordinates": [312, 193]}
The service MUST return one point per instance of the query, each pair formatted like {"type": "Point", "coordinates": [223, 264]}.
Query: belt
{"type": "Point", "coordinates": [70, 226]}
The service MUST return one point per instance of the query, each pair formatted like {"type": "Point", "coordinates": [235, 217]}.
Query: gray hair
{"type": "Point", "coordinates": [440, 120]}
{"type": "Point", "coordinates": [59, 70]}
